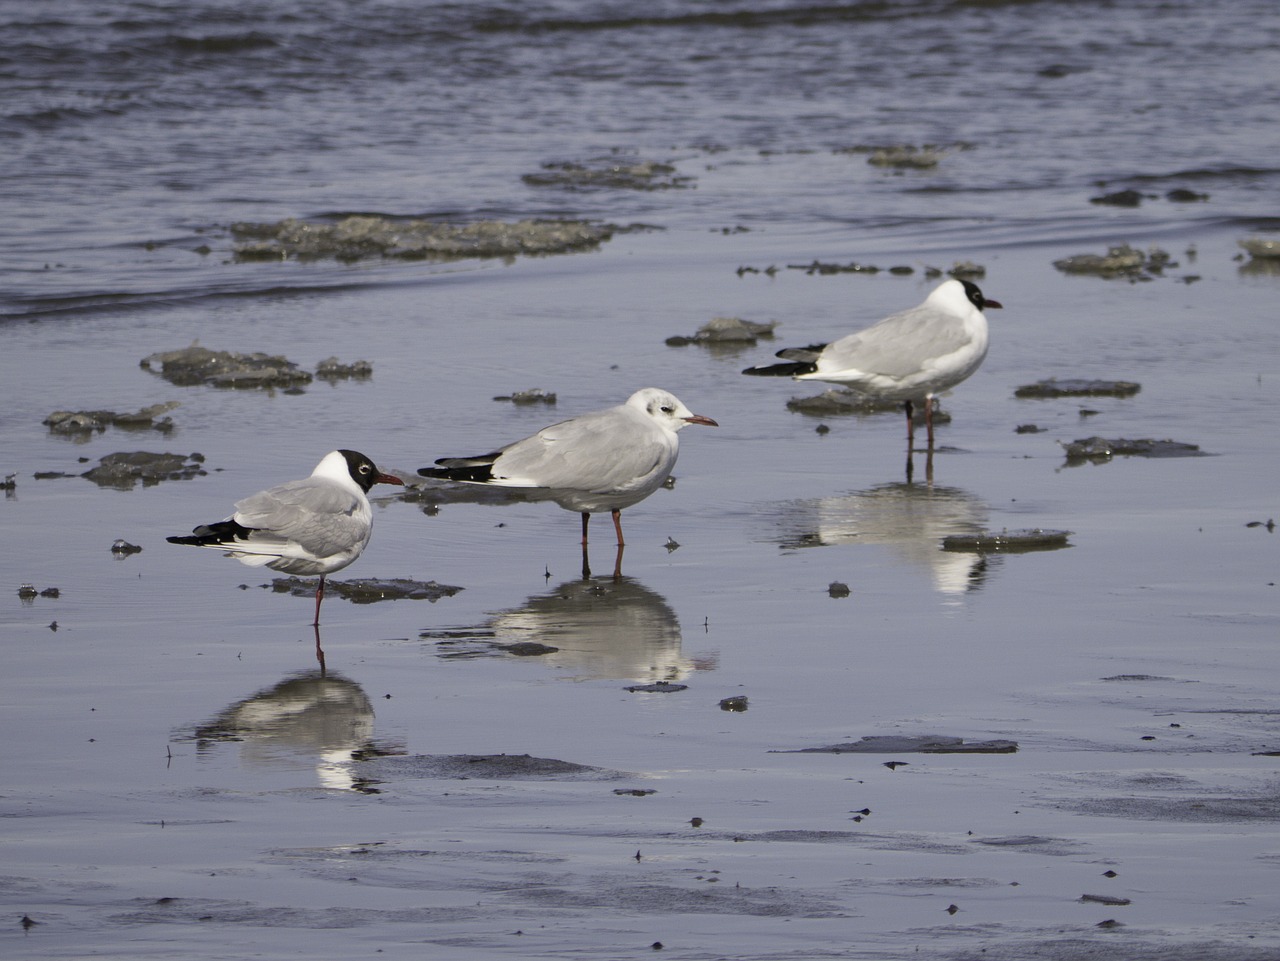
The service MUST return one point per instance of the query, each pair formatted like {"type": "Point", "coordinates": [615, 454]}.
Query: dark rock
{"type": "Point", "coordinates": [527, 649]}
{"type": "Point", "coordinates": [1077, 387]}
{"type": "Point", "coordinates": [1121, 198]}
{"type": "Point", "coordinates": [1104, 899]}
{"type": "Point", "coordinates": [534, 395]}
{"type": "Point", "coordinates": [124, 471]}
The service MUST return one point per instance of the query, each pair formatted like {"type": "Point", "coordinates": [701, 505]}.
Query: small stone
{"type": "Point", "coordinates": [661, 687]}
{"type": "Point", "coordinates": [1121, 198]}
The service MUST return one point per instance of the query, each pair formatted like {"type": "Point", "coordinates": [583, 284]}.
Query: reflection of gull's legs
{"type": "Point", "coordinates": [617, 563]}
{"type": "Point", "coordinates": [928, 466]}
{"type": "Point", "coordinates": [911, 427]}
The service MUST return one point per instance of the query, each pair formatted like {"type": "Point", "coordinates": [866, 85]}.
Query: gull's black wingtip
{"type": "Point", "coordinates": [476, 473]}
{"type": "Point", "coordinates": [782, 370]}
{"type": "Point", "coordinates": [213, 535]}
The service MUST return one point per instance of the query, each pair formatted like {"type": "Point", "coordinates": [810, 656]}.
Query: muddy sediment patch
{"type": "Point", "coordinates": [366, 590]}
{"type": "Point", "coordinates": [81, 423]}
{"type": "Point", "coordinates": [669, 899]}
{"type": "Point", "coordinates": [331, 369]}
{"type": "Point", "coordinates": [196, 365]}
{"type": "Point", "coordinates": [1099, 450]}
{"type": "Point", "coordinates": [911, 744]}
{"type": "Point", "coordinates": [498, 767]}
{"type": "Point", "coordinates": [903, 156]}
{"type": "Point", "coordinates": [1261, 248]}
{"type": "Point", "coordinates": [363, 237]}
{"type": "Point", "coordinates": [837, 401]}
{"type": "Point", "coordinates": [1120, 261]}
{"type": "Point", "coordinates": [210, 911]}
{"type": "Point", "coordinates": [1207, 809]}
{"type": "Point", "coordinates": [1007, 542]}
{"type": "Point", "coordinates": [609, 173]}
{"type": "Point", "coordinates": [726, 332]}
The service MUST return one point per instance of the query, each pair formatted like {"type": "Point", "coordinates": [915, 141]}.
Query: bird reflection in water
{"type": "Point", "coordinates": [317, 719]}
{"type": "Point", "coordinates": [909, 519]}
{"type": "Point", "coordinates": [602, 628]}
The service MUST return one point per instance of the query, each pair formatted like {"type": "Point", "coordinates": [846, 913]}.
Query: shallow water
{"type": "Point", "coordinates": [183, 782]}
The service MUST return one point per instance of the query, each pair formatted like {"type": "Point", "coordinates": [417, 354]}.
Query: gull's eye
{"type": "Point", "coordinates": [668, 410]}
{"type": "Point", "coordinates": [365, 468]}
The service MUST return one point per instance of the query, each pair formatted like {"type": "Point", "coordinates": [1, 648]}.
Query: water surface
{"type": "Point", "coordinates": [186, 783]}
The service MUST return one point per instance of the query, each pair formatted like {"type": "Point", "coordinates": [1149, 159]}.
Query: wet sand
{"type": "Point", "coordinates": [184, 782]}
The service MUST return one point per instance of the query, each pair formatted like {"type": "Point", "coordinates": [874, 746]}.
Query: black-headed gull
{"type": "Point", "coordinates": [909, 356]}
{"type": "Point", "coordinates": [602, 461]}
{"type": "Point", "coordinates": [314, 526]}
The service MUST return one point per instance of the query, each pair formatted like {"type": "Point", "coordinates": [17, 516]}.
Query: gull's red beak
{"type": "Point", "coordinates": [699, 419]}
{"type": "Point", "coordinates": [389, 479]}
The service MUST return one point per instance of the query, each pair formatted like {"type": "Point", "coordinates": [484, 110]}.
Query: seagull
{"type": "Point", "coordinates": [909, 356]}
{"type": "Point", "coordinates": [602, 461]}
{"type": "Point", "coordinates": [314, 526]}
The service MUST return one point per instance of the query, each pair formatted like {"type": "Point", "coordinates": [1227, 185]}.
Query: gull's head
{"type": "Point", "coordinates": [960, 296]}
{"type": "Point", "coordinates": [353, 464]}
{"type": "Point", "coordinates": [666, 408]}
